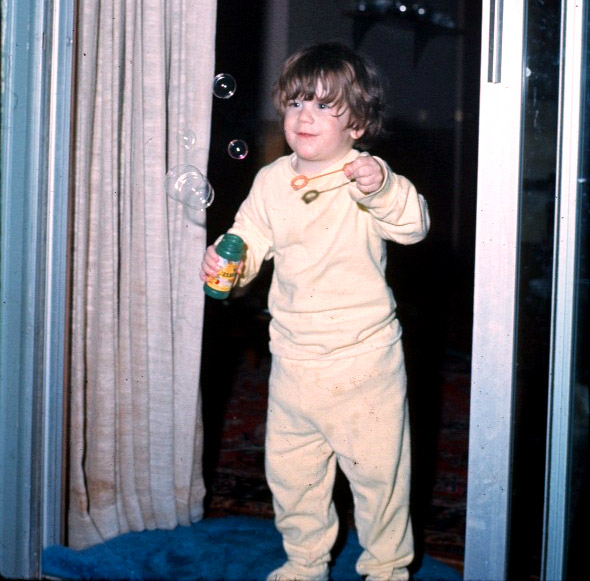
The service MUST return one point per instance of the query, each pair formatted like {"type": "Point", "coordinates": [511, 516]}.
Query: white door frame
{"type": "Point", "coordinates": [495, 290]}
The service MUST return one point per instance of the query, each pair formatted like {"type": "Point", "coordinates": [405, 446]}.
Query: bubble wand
{"type": "Point", "coordinates": [302, 180]}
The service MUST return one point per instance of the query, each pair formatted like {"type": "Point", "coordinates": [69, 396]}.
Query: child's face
{"type": "Point", "coordinates": [318, 133]}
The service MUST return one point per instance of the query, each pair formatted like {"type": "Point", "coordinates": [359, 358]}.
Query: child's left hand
{"type": "Point", "coordinates": [367, 173]}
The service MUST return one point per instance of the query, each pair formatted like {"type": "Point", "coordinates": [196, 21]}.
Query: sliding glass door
{"type": "Point", "coordinates": [528, 486]}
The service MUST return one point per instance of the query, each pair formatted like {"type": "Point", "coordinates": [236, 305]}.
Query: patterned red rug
{"type": "Point", "coordinates": [234, 382]}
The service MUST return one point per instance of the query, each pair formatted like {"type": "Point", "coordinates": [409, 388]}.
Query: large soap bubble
{"type": "Point", "coordinates": [187, 185]}
{"type": "Point", "coordinates": [224, 86]}
{"type": "Point", "coordinates": [237, 149]}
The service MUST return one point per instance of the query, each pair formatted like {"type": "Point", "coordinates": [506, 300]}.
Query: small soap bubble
{"type": "Point", "coordinates": [224, 86]}
{"type": "Point", "coordinates": [186, 138]}
{"type": "Point", "coordinates": [187, 185]}
{"type": "Point", "coordinates": [237, 149]}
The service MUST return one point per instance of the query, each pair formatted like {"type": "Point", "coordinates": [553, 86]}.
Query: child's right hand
{"type": "Point", "coordinates": [210, 264]}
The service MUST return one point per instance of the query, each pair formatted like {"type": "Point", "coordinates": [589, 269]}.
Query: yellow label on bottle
{"type": "Point", "coordinates": [226, 277]}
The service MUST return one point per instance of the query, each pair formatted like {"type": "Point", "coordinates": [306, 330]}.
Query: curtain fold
{"type": "Point", "coordinates": [143, 83]}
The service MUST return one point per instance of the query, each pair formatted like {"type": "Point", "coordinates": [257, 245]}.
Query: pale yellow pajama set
{"type": "Point", "coordinates": [337, 390]}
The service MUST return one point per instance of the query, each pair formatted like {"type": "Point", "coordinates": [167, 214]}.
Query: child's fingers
{"type": "Point", "coordinates": [366, 172]}
{"type": "Point", "coordinates": [362, 166]}
{"type": "Point", "coordinates": [349, 170]}
{"type": "Point", "coordinates": [207, 272]}
{"type": "Point", "coordinates": [210, 264]}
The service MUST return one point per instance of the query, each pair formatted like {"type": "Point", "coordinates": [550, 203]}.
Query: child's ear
{"type": "Point", "coordinates": [357, 133]}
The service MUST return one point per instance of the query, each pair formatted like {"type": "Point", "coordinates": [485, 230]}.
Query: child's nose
{"type": "Point", "coordinates": [306, 114]}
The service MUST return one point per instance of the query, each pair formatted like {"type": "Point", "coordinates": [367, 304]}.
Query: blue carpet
{"type": "Point", "coordinates": [229, 549]}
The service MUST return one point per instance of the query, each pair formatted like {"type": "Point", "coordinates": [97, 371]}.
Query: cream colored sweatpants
{"type": "Point", "coordinates": [354, 412]}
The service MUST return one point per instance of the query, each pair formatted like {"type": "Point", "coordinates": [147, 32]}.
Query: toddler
{"type": "Point", "coordinates": [337, 388]}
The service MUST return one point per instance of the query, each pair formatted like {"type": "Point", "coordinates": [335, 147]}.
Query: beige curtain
{"type": "Point", "coordinates": [144, 74]}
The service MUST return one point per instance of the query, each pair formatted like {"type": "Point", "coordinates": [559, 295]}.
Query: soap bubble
{"type": "Point", "coordinates": [186, 138]}
{"type": "Point", "coordinates": [224, 85]}
{"type": "Point", "coordinates": [237, 148]}
{"type": "Point", "coordinates": [187, 185]}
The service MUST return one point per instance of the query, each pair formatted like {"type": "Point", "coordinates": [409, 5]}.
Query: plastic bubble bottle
{"type": "Point", "coordinates": [230, 251]}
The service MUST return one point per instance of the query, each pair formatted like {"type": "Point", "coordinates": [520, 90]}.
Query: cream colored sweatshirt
{"type": "Point", "coordinates": [328, 297]}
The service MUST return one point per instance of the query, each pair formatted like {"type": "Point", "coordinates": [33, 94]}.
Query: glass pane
{"type": "Point", "coordinates": [539, 150]}
{"type": "Point", "coordinates": [579, 512]}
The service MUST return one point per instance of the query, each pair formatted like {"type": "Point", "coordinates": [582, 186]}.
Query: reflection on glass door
{"type": "Point", "coordinates": [579, 513]}
{"type": "Point", "coordinates": [534, 283]}
{"type": "Point", "coordinates": [567, 487]}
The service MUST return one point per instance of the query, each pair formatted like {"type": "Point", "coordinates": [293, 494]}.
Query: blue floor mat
{"type": "Point", "coordinates": [217, 549]}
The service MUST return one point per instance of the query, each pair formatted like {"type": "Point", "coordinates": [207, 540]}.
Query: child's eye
{"type": "Point", "coordinates": [293, 104]}
{"type": "Point", "coordinates": [324, 106]}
